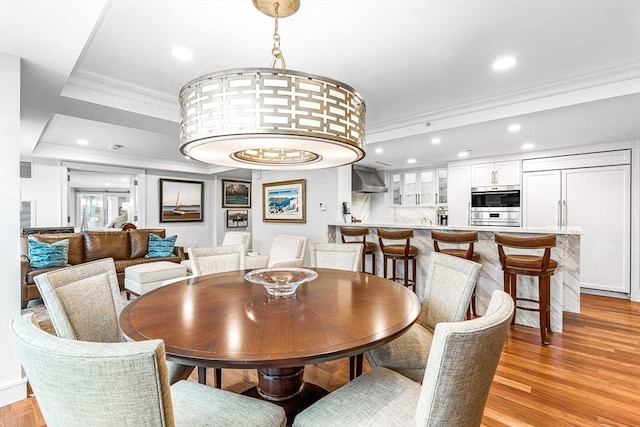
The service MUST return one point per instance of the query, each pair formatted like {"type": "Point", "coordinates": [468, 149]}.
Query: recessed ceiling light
{"type": "Point", "coordinates": [182, 53]}
{"type": "Point", "coordinates": [504, 63]}
{"type": "Point", "coordinates": [82, 142]}
{"type": "Point", "coordinates": [379, 150]}
{"type": "Point", "coordinates": [464, 153]}
{"type": "Point", "coordinates": [514, 128]}
{"type": "Point", "coordinates": [124, 179]}
{"type": "Point", "coordinates": [107, 184]}
{"type": "Point", "coordinates": [528, 146]}
{"type": "Point", "coordinates": [435, 141]}
{"type": "Point", "coordinates": [411, 161]}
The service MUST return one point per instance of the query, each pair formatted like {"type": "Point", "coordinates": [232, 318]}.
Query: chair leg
{"type": "Point", "coordinates": [510, 287]}
{"type": "Point", "coordinates": [545, 317]}
{"type": "Point", "coordinates": [414, 273]}
{"type": "Point", "coordinates": [202, 375]}
{"type": "Point", "coordinates": [355, 366]}
{"type": "Point", "coordinates": [373, 264]}
{"type": "Point", "coordinates": [218, 377]}
{"type": "Point", "coordinates": [474, 312]}
{"type": "Point", "coordinates": [384, 267]}
{"type": "Point", "coordinates": [406, 272]}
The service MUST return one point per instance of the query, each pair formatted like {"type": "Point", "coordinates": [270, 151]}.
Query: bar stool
{"type": "Point", "coordinates": [459, 238]}
{"type": "Point", "coordinates": [529, 265]}
{"type": "Point", "coordinates": [370, 248]}
{"type": "Point", "coordinates": [403, 252]}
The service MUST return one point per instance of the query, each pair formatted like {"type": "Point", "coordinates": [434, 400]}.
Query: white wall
{"type": "Point", "coordinates": [189, 233]}
{"type": "Point", "coordinates": [45, 187]}
{"type": "Point", "coordinates": [221, 225]}
{"type": "Point", "coordinates": [12, 383]}
{"type": "Point", "coordinates": [322, 185]}
{"type": "Point", "coordinates": [635, 221]}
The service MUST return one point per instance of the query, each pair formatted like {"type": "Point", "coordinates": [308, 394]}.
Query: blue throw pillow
{"type": "Point", "coordinates": [159, 247]}
{"type": "Point", "coordinates": [43, 255]}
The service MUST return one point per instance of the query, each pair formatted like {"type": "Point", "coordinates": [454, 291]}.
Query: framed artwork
{"type": "Point", "coordinates": [284, 201]}
{"type": "Point", "coordinates": [237, 218]}
{"type": "Point", "coordinates": [181, 201]}
{"type": "Point", "coordinates": [236, 194]}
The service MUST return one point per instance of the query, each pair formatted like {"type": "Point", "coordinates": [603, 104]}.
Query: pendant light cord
{"type": "Point", "coordinates": [275, 51]}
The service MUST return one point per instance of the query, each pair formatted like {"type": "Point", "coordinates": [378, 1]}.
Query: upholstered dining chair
{"type": "Point", "coordinates": [453, 245]}
{"type": "Point", "coordinates": [230, 238]}
{"type": "Point", "coordinates": [455, 386]}
{"type": "Point", "coordinates": [447, 292]}
{"type": "Point", "coordinates": [286, 251]}
{"type": "Point", "coordinates": [217, 259]}
{"type": "Point", "coordinates": [84, 304]}
{"type": "Point", "coordinates": [341, 257]}
{"type": "Point", "coordinates": [81, 383]}
{"type": "Point", "coordinates": [336, 255]}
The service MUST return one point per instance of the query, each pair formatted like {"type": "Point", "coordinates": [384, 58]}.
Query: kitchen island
{"type": "Point", "coordinates": [565, 283]}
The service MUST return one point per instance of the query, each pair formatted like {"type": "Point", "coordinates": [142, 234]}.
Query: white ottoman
{"type": "Point", "coordinates": [142, 278]}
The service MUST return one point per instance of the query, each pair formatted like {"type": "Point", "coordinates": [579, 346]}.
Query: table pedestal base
{"type": "Point", "coordinates": [285, 387]}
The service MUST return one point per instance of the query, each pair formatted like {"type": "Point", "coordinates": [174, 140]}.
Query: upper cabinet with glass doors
{"type": "Point", "coordinates": [426, 187]}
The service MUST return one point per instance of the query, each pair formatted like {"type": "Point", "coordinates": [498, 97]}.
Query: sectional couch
{"type": "Point", "coordinates": [125, 247]}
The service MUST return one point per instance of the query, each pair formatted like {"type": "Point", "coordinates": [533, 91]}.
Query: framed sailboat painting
{"type": "Point", "coordinates": [181, 201]}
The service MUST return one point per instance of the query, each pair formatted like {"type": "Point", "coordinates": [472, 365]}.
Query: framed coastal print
{"type": "Point", "coordinates": [284, 201]}
{"type": "Point", "coordinates": [181, 201]}
{"type": "Point", "coordinates": [236, 194]}
{"type": "Point", "coordinates": [237, 218]}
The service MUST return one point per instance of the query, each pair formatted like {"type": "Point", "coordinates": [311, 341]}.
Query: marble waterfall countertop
{"type": "Point", "coordinates": [565, 283]}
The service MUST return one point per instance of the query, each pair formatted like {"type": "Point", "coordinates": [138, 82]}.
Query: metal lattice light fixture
{"type": "Point", "coordinates": [271, 118]}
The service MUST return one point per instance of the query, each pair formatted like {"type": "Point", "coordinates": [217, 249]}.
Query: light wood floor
{"type": "Point", "coordinates": [588, 376]}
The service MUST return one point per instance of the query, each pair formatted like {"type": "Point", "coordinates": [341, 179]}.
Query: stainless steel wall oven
{"type": "Point", "coordinates": [498, 206]}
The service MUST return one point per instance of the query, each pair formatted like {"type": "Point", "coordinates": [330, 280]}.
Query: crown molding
{"type": "Point", "coordinates": [98, 89]}
{"type": "Point", "coordinates": [610, 83]}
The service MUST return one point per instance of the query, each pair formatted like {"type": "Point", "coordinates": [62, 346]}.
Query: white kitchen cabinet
{"type": "Point", "coordinates": [441, 186]}
{"type": "Point", "coordinates": [596, 199]}
{"type": "Point", "coordinates": [414, 188]}
{"type": "Point", "coordinates": [395, 184]}
{"type": "Point", "coordinates": [459, 194]}
{"type": "Point", "coordinates": [541, 199]}
{"type": "Point", "coordinates": [495, 173]}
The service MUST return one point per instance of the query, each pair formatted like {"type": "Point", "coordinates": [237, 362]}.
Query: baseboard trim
{"type": "Point", "coordinates": [13, 392]}
{"type": "Point", "coordinates": [609, 294]}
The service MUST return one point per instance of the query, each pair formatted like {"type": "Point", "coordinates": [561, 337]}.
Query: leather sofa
{"type": "Point", "coordinates": [125, 247]}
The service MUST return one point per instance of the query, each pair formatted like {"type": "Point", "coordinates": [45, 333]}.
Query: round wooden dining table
{"type": "Point", "coordinates": [223, 321]}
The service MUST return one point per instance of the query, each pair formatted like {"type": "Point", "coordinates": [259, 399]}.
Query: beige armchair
{"type": "Point", "coordinates": [449, 285]}
{"type": "Point", "coordinates": [84, 304]}
{"type": "Point", "coordinates": [455, 386]}
{"type": "Point", "coordinates": [80, 383]}
{"type": "Point", "coordinates": [286, 251]}
{"type": "Point", "coordinates": [237, 238]}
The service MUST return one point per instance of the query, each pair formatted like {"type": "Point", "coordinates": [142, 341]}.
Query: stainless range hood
{"type": "Point", "coordinates": [365, 180]}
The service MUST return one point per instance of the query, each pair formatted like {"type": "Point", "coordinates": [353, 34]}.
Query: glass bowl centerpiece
{"type": "Point", "coordinates": [281, 282]}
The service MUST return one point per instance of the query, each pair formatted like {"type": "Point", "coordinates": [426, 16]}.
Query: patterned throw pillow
{"type": "Point", "coordinates": [43, 255]}
{"type": "Point", "coordinates": [159, 247]}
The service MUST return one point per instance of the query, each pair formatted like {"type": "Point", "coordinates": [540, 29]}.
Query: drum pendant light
{"type": "Point", "coordinates": [271, 118]}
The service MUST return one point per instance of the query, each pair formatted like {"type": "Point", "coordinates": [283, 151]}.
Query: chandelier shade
{"type": "Point", "coordinates": [268, 118]}
{"type": "Point", "coordinates": [271, 118]}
